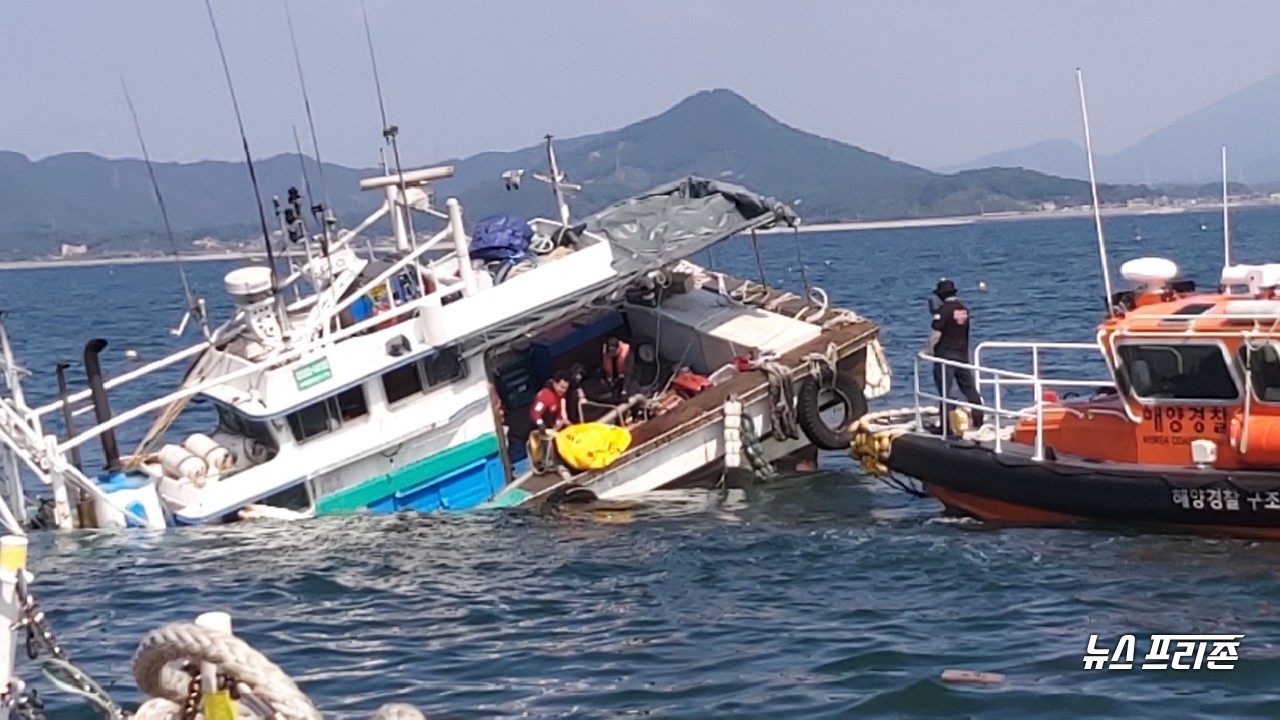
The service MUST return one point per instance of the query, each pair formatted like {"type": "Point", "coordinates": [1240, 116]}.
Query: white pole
{"type": "Point", "coordinates": [13, 562]}
{"type": "Point", "coordinates": [465, 272]}
{"type": "Point", "coordinates": [220, 622]}
{"type": "Point", "coordinates": [1093, 185]}
{"type": "Point", "coordinates": [1226, 233]}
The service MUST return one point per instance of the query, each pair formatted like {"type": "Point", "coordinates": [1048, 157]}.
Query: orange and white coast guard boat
{"type": "Point", "coordinates": [1185, 433]}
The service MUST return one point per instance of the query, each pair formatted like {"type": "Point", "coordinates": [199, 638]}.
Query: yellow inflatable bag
{"type": "Point", "coordinates": [591, 446]}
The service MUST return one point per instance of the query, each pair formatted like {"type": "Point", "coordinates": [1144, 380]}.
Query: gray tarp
{"type": "Point", "coordinates": [679, 219]}
{"type": "Point", "coordinates": [649, 231]}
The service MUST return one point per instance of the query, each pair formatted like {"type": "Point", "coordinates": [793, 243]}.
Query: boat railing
{"type": "Point", "coordinates": [1000, 380]}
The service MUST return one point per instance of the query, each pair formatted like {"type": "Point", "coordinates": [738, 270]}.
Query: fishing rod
{"type": "Point", "coordinates": [321, 211]}
{"type": "Point", "coordinates": [253, 175]}
{"type": "Point", "coordinates": [195, 307]}
{"type": "Point", "coordinates": [1093, 185]}
{"type": "Point", "coordinates": [389, 132]}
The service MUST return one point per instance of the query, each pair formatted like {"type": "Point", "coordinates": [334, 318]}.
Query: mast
{"type": "Point", "coordinates": [1093, 186]}
{"type": "Point", "coordinates": [253, 175]}
{"type": "Point", "coordinates": [1226, 232]}
{"type": "Point", "coordinates": [195, 308]}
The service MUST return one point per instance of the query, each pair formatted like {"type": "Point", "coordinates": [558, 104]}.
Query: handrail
{"type": "Point", "coordinates": [997, 411]}
{"type": "Point", "coordinates": [1002, 378]}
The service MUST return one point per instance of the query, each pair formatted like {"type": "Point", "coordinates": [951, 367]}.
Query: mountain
{"type": "Point", "coordinates": [109, 204]}
{"type": "Point", "coordinates": [1059, 156]}
{"type": "Point", "coordinates": [1189, 150]}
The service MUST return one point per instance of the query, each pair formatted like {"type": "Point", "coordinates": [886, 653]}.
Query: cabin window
{"type": "Point", "coordinates": [232, 422]}
{"type": "Point", "coordinates": [328, 414]}
{"type": "Point", "coordinates": [401, 383]}
{"type": "Point", "coordinates": [294, 497]}
{"type": "Point", "coordinates": [351, 404]}
{"type": "Point", "coordinates": [1178, 372]}
{"type": "Point", "coordinates": [315, 420]}
{"type": "Point", "coordinates": [444, 367]}
{"type": "Point", "coordinates": [1263, 364]}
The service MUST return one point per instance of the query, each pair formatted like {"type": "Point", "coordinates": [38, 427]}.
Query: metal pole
{"type": "Point", "coordinates": [1093, 186]}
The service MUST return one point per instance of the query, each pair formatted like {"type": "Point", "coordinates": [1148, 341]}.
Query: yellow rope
{"type": "Point", "coordinates": [871, 447]}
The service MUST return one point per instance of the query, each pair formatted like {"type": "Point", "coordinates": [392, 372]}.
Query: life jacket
{"type": "Point", "coordinates": [615, 367]}
{"type": "Point", "coordinates": [547, 408]}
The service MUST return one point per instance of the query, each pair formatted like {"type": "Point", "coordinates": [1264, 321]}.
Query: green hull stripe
{"type": "Point", "coordinates": [366, 493]}
{"type": "Point", "coordinates": [507, 499]}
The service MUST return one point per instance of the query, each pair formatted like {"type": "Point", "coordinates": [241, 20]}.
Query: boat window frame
{"type": "Point", "coordinates": [1253, 388]}
{"type": "Point", "coordinates": [245, 426]}
{"type": "Point", "coordinates": [423, 365]}
{"type": "Point", "coordinates": [1228, 361]}
{"type": "Point", "coordinates": [333, 413]}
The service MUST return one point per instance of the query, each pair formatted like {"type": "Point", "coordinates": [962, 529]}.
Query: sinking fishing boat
{"type": "Point", "coordinates": [404, 382]}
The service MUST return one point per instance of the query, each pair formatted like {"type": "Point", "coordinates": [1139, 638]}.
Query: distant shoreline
{"type": "Point", "coordinates": [1018, 216]}
{"type": "Point", "coordinates": [952, 221]}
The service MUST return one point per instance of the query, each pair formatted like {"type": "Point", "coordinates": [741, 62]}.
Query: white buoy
{"type": "Point", "coordinates": [982, 285]}
{"type": "Point", "coordinates": [130, 354]}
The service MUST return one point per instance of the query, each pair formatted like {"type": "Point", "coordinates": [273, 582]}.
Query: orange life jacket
{"type": "Point", "coordinates": [615, 367]}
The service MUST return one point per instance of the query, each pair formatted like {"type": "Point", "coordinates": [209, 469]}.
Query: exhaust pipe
{"type": "Point", "coordinates": [67, 416]}
{"type": "Point", "coordinates": [101, 408]}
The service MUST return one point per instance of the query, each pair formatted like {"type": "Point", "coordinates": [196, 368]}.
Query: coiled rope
{"type": "Point", "coordinates": [164, 650]}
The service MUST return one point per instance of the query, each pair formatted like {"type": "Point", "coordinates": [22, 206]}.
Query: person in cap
{"type": "Point", "coordinates": [949, 340]}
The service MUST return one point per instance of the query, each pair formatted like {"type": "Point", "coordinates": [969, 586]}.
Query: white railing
{"type": "Point", "coordinates": [1000, 379]}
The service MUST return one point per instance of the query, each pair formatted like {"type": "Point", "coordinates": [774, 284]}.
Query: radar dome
{"type": "Point", "coordinates": [1149, 271]}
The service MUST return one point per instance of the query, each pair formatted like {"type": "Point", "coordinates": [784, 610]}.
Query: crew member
{"type": "Point", "coordinates": [548, 411]}
{"type": "Point", "coordinates": [576, 396]}
{"type": "Point", "coordinates": [949, 340]}
{"type": "Point", "coordinates": [613, 366]}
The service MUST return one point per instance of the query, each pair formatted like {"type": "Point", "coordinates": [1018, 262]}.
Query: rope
{"type": "Point", "coordinates": [804, 277]}
{"type": "Point", "coordinates": [755, 245]}
{"type": "Point", "coordinates": [782, 394]}
{"type": "Point", "coordinates": [190, 642]}
{"type": "Point", "coordinates": [80, 685]}
{"type": "Point", "coordinates": [754, 450]}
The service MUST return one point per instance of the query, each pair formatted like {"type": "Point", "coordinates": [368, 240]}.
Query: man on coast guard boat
{"type": "Point", "coordinates": [949, 340]}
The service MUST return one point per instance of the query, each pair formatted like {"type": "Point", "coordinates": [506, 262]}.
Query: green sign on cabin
{"type": "Point", "coordinates": [312, 374]}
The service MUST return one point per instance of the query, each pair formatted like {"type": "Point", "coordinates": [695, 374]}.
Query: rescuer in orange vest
{"type": "Point", "coordinates": [613, 365]}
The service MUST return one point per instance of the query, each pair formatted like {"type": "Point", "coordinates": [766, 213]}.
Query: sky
{"type": "Point", "coordinates": [932, 83]}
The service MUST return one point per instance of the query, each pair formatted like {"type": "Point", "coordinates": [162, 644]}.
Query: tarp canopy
{"type": "Point", "coordinates": [678, 219]}
{"type": "Point", "coordinates": [649, 231]}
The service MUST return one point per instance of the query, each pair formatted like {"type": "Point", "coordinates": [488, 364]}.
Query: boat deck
{"type": "Point", "coordinates": [848, 339]}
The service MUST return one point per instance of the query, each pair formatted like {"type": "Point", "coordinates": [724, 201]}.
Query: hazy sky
{"type": "Point", "coordinates": [927, 82]}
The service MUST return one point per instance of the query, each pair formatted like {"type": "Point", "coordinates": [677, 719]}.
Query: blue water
{"type": "Point", "coordinates": [820, 596]}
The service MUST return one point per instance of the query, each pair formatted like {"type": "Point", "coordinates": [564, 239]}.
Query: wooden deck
{"type": "Point", "coordinates": [850, 341]}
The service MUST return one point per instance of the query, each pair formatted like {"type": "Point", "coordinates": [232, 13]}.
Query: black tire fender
{"type": "Point", "coordinates": [848, 392]}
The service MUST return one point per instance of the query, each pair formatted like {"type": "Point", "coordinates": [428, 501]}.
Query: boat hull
{"type": "Point", "coordinates": [1012, 487]}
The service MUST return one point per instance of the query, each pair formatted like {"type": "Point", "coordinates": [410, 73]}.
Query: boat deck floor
{"type": "Point", "coordinates": [650, 436]}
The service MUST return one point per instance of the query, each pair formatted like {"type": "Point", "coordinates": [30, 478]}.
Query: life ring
{"type": "Point", "coordinates": [847, 392]}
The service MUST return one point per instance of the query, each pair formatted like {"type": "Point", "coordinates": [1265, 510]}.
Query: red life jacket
{"type": "Point", "coordinates": [547, 409]}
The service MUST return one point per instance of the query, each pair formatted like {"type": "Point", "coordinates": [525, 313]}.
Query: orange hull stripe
{"type": "Point", "coordinates": [1000, 511]}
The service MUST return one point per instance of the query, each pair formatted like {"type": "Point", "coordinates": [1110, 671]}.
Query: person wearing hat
{"type": "Point", "coordinates": [949, 340]}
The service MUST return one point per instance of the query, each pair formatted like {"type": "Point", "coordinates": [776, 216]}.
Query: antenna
{"type": "Point", "coordinates": [318, 210]}
{"type": "Point", "coordinates": [557, 180]}
{"type": "Point", "coordinates": [389, 133]}
{"type": "Point", "coordinates": [195, 308]}
{"type": "Point", "coordinates": [1093, 185]}
{"type": "Point", "coordinates": [253, 176]}
{"type": "Point", "coordinates": [1226, 232]}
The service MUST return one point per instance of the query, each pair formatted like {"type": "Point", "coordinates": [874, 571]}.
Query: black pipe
{"type": "Point", "coordinates": [101, 408]}
{"type": "Point", "coordinates": [67, 415]}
